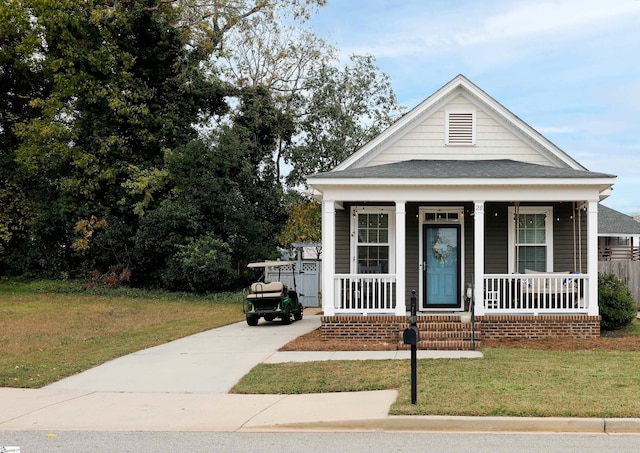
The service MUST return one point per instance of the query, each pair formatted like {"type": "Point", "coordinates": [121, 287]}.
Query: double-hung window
{"type": "Point", "coordinates": [531, 239]}
{"type": "Point", "coordinates": [374, 237]}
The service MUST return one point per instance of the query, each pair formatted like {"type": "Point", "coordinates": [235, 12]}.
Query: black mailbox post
{"type": "Point", "coordinates": [411, 336]}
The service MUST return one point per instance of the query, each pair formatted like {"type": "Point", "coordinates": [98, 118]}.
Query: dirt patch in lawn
{"type": "Point", "coordinates": [608, 341]}
{"type": "Point", "coordinates": [313, 342]}
{"type": "Point", "coordinates": [569, 344]}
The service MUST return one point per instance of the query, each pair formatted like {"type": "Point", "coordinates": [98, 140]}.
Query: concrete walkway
{"type": "Point", "coordinates": [183, 386]}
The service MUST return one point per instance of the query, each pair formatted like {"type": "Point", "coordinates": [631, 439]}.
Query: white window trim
{"type": "Point", "coordinates": [548, 212]}
{"type": "Point", "coordinates": [447, 113]}
{"type": "Point", "coordinates": [391, 211]}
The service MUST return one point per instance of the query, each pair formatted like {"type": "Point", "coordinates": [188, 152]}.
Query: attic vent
{"type": "Point", "coordinates": [460, 128]}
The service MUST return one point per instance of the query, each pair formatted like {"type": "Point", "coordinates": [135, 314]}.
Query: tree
{"type": "Point", "coordinates": [209, 23]}
{"type": "Point", "coordinates": [225, 205]}
{"type": "Point", "coordinates": [102, 98]}
{"type": "Point", "coordinates": [125, 86]}
{"type": "Point", "coordinates": [304, 223]}
{"type": "Point", "coordinates": [344, 109]}
{"type": "Point", "coordinates": [275, 56]}
{"type": "Point", "coordinates": [257, 128]}
{"type": "Point", "coordinates": [21, 80]}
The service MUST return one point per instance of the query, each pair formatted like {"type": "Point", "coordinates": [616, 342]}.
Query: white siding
{"type": "Point", "coordinates": [427, 141]}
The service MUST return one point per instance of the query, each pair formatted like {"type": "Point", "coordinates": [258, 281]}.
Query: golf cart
{"type": "Point", "coordinates": [271, 300]}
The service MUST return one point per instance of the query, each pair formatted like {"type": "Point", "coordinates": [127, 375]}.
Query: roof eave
{"type": "Point", "coordinates": [327, 181]}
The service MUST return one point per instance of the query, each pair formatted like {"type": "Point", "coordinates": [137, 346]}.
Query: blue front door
{"type": "Point", "coordinates": [441, 266]}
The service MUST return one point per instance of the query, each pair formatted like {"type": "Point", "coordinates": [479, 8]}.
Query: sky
{"type": "Point", "coordinates": [568, 68]}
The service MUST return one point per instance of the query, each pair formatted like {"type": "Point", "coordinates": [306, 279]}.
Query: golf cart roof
{"type": "Point", "coordinates": [271, 264]}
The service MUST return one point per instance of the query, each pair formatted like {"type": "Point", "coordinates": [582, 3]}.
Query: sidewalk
{"type": "Point", "coordinates": [183, 386]}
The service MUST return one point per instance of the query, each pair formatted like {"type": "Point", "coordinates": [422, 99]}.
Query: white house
{"type": "Point", "coordinates": [460, 196]}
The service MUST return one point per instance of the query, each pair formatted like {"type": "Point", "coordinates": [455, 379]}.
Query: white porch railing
{"type": "Point", "coordinates": [364, 293]}
{"type": "Point", "coordinates": [503, 293]}
{"type": "Point", "coordinates": [536, 293]}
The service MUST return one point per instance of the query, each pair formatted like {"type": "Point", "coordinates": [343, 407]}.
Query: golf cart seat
{"type": "Point", "coordinates": [267, 290]}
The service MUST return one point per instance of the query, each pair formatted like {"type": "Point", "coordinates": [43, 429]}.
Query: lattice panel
{"type": "Point", "coordinates": [310, 267]}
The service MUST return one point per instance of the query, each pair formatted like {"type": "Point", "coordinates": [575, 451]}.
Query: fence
{"type": "Point", "coordinates": [307, 279]}
{"type": "Point", "coordinates": [619, 252]}
{"type": "Point", "coordinates": [627, 271]}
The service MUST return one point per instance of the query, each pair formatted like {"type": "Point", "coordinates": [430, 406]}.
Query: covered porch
{"type": "Point", "coordinates": [516, 243]}
{"type": "Point", "coordinates": [460, 256]}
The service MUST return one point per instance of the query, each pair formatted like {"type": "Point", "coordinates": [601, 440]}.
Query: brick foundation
{"type": "Point", "coordinates": [496, 327]}
{"type": "Point", "coordinates": [389, 327]}
{"type": "Point", "coordinates": [381, 328]}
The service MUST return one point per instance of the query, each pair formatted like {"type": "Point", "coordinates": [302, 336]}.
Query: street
{"type": "Point", "coordinates": [371, 442]}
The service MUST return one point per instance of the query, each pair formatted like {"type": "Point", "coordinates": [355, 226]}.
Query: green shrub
{"type": "Point", "coordinates": [201, 265]}
{"type": "Point", "coordinates": [617, 307]}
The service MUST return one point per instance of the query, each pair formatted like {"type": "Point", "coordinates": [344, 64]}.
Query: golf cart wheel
{"type": "Point", "coordinates": [286, 318]}
{"type": "Point", "coordinates": [297, 315]}
{"type": "Point", "coordinates": [252, 320]}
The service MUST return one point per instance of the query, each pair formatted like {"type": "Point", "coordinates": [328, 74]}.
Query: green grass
{"type": "Point", "coordinates": [506, 382]}
{"type": "Point", "coordinates": [50, 330]}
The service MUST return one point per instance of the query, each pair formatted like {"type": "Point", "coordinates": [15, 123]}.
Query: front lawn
{"type": "Point", "coordinates": [506, 382]}
{"type": "Point", "coordinates": [50, 330]}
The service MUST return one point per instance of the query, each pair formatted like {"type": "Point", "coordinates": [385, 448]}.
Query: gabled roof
{"type": "Point", "coordinates": [460, 85]}
{"type": "Point", "coordinates": [615, 223]}
{"type": "Point", "coordinates": [467, 169]}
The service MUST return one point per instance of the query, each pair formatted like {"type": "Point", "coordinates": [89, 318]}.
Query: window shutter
{"type": "Point", "coordinates": [460, 128]}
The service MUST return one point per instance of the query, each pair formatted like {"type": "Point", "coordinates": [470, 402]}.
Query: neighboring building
{"type": "Point", "coordinates": [618, 236]}
{"type": "Point", "coordinates": [458, 197]}
{"type": "Point", "coordinates": [619, 248]}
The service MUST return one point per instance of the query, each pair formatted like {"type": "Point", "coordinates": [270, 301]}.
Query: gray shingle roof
{"type": "Point", "coordinates": [481, 169]}
{"type": "Point", "coordinates": [612, 222]}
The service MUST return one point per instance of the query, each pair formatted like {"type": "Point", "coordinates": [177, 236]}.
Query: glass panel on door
{"type": "Point", "coordinates": [441, 266]}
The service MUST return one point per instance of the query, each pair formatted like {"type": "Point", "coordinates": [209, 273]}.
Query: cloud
{"type": "Point", "coordinates": [516, 28]}
{"type": "Point", "coordinates": [539, 19]}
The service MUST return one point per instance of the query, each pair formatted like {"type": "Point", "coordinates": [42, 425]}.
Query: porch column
{"type": "Point", "coordinates": [401, 216]}
{"type": "Point", "coordinates": [478, 257]}
{"type": "Point", "coordinates": [592, 257]}
{"type": "Point", "coordinates": [328, 256]}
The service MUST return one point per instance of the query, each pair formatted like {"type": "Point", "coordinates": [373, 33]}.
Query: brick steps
{"type": "Point", "coordinates": [444, 345]}
{"type": "Point", "coordinates": [445, 333]}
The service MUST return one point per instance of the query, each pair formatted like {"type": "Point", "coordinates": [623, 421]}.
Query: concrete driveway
{"type": "Point", "coordinates": [208, 362]}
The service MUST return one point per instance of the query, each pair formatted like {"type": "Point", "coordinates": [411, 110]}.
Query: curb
{"type": "Point", "coordinates": [470, 424]}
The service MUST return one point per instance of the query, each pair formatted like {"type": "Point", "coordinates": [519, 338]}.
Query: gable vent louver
{"type": "Point", "coordinates": [460, 128]}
